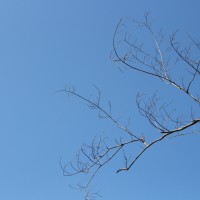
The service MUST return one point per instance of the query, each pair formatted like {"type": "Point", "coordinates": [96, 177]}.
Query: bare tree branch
{"type": "Point", "coordinates": [155, 63]}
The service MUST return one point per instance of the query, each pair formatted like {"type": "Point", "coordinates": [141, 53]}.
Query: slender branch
{"type": "Point", "coordinates": [158, 140]}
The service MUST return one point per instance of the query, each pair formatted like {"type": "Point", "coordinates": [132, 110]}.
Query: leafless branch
{"type": "Point", "coordinates": [155, 63]}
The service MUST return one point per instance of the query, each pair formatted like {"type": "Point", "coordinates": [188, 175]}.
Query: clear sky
{"type": "Point", "coordinates": [46, 44]}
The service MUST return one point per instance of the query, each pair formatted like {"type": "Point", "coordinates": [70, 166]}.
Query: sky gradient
{"type": "Point", "coordinates": [46, 45]}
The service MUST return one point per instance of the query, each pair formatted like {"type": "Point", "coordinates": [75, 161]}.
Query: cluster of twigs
{"type": "Point", "coordinates": [91, 158]}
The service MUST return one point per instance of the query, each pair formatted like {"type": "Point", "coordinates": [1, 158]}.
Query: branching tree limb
{"type": "Point", "coordinates": [157, 63]}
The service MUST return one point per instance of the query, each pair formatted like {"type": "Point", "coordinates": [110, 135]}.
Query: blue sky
{"type": "Point", "coordinates": [45, 45]}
